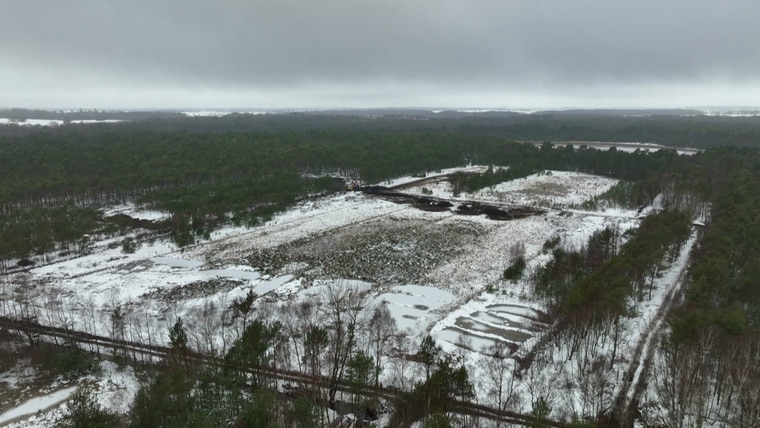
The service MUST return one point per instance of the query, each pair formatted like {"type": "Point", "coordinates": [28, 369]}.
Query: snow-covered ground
{"type": "Point", "coordinates": [442, 173]}
{"type": "Point", "coordinates": [624, 146]}
{"type": "Point", "coordinates": [460, 297]}
{"type": "Point", "coordinates": [53, 122]}
{"type": "Point", "coordinates": [411, 305]}
{"type": "Point", "coordinates": [113, 389]}
{"type": "Point", "coordinates": [631, 147]}
{"type": "Point", "coordinates": [548, 189]}
{"type": "Point", "coordinates": [221, 113]}
{"type": "Point", "coordinates": [37, 404]}
{"type": "Point", "coordinates": [136, 212]}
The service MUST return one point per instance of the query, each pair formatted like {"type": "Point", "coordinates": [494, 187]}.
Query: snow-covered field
{"type": "Point", "coordinates": [53, 122]}
{"type": "Point", "coordinates": [558, 189]}
{"type": "Point", "coordinates": [437, 272]}
{"type": "Point", "coordinates": [113, 389]}
{"type": "Point", "coordinates": [630, 147]}
{"type": "Point", "coordinates": [136, 212]}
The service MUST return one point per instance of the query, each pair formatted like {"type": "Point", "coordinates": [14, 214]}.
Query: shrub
{"type": "Point", "coordinates": [128, 246]}
{"type": "Point", "coordinates": [515, 271]}
{"type": "Point", "coordinates": [82, 411]}
{"type": "Point", "coordinates": [551, 243]}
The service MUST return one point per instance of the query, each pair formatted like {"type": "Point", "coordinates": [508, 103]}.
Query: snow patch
{"type": "Point", "coordinates": [37, 404]}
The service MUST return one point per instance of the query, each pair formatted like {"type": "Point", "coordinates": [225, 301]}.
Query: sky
{"type": "Point", "coordinates": [147, 54]}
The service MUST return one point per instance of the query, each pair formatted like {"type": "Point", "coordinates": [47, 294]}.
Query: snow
{"type": "Point", "coordinates": [136, 212]}
{"type": "Point", "coordinates": [650, 317]}
{"type": "Point", "coordinates": [475, 342]}
{"type": "Point", "coordinates": [552, 188]}
{"type": "Point", "coordinates": [176, 263]}
{"type": "Point", "coordinates": [515, 310]}
{"type": "Point", "coordinates": [273, 284]}
{"type": "Point", "coordinates": [108, 278]}
{"type": "Point", "coordinates": [449, 301]}
{"type": "Point", "coordinates": [547, 189]}
{"type": "Point", "coordinates": [32, 122]}
{"type": "Point", "coordinates": [430, 297]}
{"type": "Point", "coordinates": [480, 320]}
{"type": "Point", "coordinates": [53, 122]}
{"type": "Point", "coordinates": [218, 113]}
{"type": "Point", "coordinates": [471, 169]}
{"type": "Point", "coordinates": [558, 370]}
{"type": "Point", "coordinates": [307, 219]}
{"type": "Point", "coordinates": [113, 389]}
{"type": "Point", "coordinates": [19, 374]}
{"type": "Point", "coordinates": [489, 110]}
{"type": "Point", "coordinates": [628, 147]}
{"type": "Point", "coordinates": [37, 404]}
{"type": "Point", "coordinates": [90, 121]}
{"type": "Point", "coordinates": [732, 112]}
{"type": "Point", "coordinates": [410, 305]}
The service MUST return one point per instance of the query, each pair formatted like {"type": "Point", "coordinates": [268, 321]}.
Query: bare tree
{"type": "Point", "coordinates": [542, 381]}
{"type": "Point", "coordinates": [684, 377]}
{"type": "Point", "coordinates": [744, 379]}
{"type": "Point", "coordinates": [382, 327]}
{"type": "Point", "coordinates": [463, 346]}
{"type": "Point", "coordinates": [117, 316]}
{"type": "Point", "coordinates": [498, 380]}
{"type": "Point", "coordinates": [298, 320]}
{"type": "Point", "coordinates": [88, 319]}
{"type": "Point", "coordinates": [342, 307]}
{"type": "Point", "coordinates": [596, 387]}
{"type": "Point", "coordinates": [315, 345]}
{"type": "Point", "coordinates": [400, 366]}
{"type": "Point", "coordinates": [206, 327]}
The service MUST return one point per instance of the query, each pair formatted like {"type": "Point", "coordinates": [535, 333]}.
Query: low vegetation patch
{"type": "Point", "coordinates": [391, 251]}
{"type": "Point", "coordinates": [515, 270]}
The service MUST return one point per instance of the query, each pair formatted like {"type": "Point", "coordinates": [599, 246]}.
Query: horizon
{"type": "Point", "coordinates": [431, 109]}
{"type": "Point", "coordinates": [584, 54]}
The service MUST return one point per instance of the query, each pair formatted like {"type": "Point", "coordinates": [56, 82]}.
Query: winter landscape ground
{"type": "Point", "coordinates": [391, 270]}
{"type": "Point", "coordinates": [438, 273]}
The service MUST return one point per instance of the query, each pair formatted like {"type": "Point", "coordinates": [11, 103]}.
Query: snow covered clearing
{"type": "Point", "coordinates": [439, 174]}
{"type": "Point", "coordinates": [221, 113]}
{"type": "Point", "coordinates": [624, 146]}
{"type": "Point", "coordinates": [53, 122]}
{"type": "Point", "coordinates": [113, 389]}
{"type": "Point", "coordinates": [136, 212]}
{"type": "Point", "coordinates": [558, 189]}
{"type": "Point", "coordinates": [411, 305]}
{"type": "Point", "coordinates": [437, 272]}
{"type": "Point", "coordinates": [37, 404]}
{"type": "Point", "coordinates": [32, 122]}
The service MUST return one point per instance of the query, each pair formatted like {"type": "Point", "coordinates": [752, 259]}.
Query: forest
{"type": "Point", "coordinates": [675, 128]}
{"type": "Point", "coordinates": [241, 170]}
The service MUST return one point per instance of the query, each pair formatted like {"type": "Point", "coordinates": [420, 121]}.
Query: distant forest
{"type": "Point", "coordinates": [675, 128]}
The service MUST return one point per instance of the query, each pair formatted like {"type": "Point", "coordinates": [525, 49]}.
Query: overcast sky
{"type": "Point", "coordinates": [373, 53]}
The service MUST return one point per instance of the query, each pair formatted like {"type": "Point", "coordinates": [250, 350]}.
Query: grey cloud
{"type": "Point", "coordinates": [478, 45]}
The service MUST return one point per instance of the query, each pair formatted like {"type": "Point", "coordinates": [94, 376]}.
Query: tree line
{"type": "Point", "coordinates": [675, 128]}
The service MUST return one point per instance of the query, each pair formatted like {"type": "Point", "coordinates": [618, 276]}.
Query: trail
{"type": "Point", "coordinates": [635, 377]}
